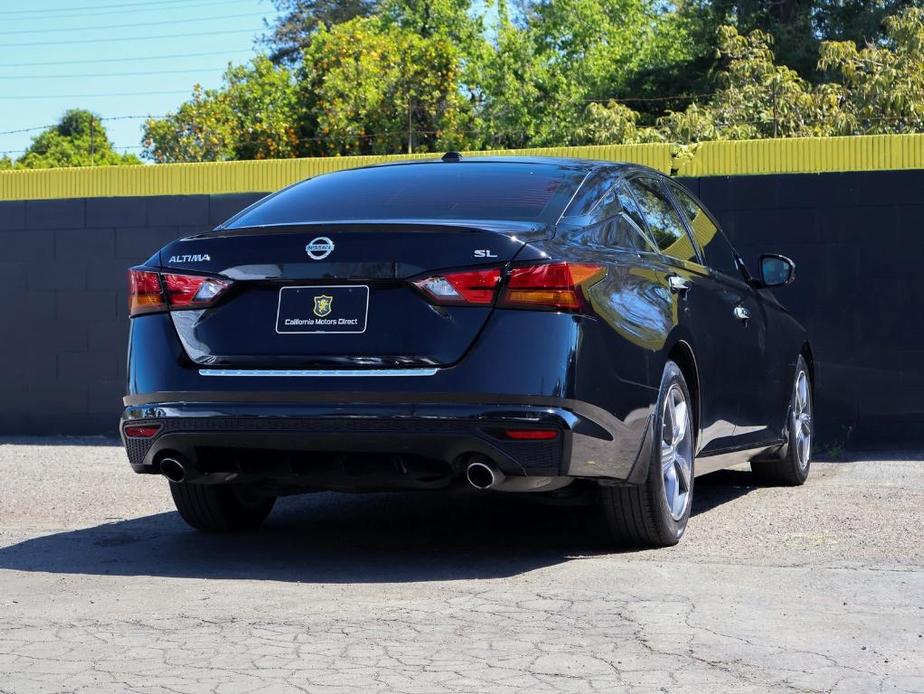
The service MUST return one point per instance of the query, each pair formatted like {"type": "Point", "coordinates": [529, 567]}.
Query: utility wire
{"type": "Point", "coordinates": [133, 25]}
{"type": "Point", "coordinates": [104, 118]}
{"type": "Point", "coordinates": [110, 74]}
{"type": "Point", "coordinates": [107, 6]}
{"type": "Point", "coordinates": [124, 59]}
{"type": "Point", "coordinates": [92, 96]}
{"type": "Point", "coordinates": [129, 38]}
{"type": "Point", "coordinates": [84, 15]}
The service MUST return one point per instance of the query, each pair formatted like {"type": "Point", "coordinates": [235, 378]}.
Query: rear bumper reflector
{"type": "Point", "coordinates": [316, 373]}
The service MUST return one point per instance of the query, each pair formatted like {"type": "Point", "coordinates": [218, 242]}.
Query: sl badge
{"type": "Point", "coordinates": [322, 305]}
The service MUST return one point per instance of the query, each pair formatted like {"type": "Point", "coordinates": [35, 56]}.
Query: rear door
{"type": "Point", "coordinates": [703, 307]}
{"type": "Point", "coordinates": [336, 295]}
{"type": "Point", "coordinates": [749, 331]}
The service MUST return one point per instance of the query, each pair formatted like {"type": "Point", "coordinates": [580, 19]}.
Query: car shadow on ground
{"type": "Point", "coordinates": [339, 538]}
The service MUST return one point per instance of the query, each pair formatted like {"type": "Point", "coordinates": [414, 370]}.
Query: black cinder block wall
{"type": "Point", "coordinates": [858, 243]}
{"type": "Point", "coordinates": [63, 301]}
{"type": "Point", "coordinates": [857, 239]}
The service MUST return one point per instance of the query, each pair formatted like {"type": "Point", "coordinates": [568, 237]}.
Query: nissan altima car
{"type": "Point", "coordinates": [552, 327]}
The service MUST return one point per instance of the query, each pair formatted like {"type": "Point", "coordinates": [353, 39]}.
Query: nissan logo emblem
{"type": "Point", "coordinates": [319, 248]}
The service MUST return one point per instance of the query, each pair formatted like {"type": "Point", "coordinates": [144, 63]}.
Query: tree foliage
{"type": "Point", "coordinates": [883, 84]}
{"type": "Point", "coordinates": [428, 75]}
{"type": "Point", "coordinates": [253, 116]}
{"type": "Point", "coordinates": [371, 87]}
{"type": "Point", "coordinates": [78, 139]}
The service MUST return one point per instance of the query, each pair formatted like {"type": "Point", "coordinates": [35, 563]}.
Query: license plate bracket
{"type": "Point", "coordinates": [331, 309]}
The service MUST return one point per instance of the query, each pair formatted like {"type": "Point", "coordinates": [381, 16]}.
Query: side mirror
{"type": "Point", "coordinates": [776, 270]}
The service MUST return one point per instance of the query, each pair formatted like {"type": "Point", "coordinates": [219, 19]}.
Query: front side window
{"type": "Point", "coordinates": [663, 221]}
{"type": "Point", "coordinates": [720, 255]}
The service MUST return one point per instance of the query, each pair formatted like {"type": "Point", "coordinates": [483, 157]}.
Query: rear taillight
{"type": "Point", "coordinates": [144, 293]}
{"type": "Point", "coordinates": [556, 285]}
{"type": "Point", "coordinates": [149, 291]}
{"type": "Point", "coordinates": [549, 285]}
{"type": "Point", "coordinates": [192, 291]}
{"type": "Point", "coordinates": [463, 288]}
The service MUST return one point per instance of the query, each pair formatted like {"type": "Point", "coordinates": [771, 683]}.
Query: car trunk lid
{"type": "Point", "coordinates": [336, 296]}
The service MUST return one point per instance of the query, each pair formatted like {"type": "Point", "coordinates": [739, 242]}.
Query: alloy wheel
{"type": "Point", "coordinates": [676, 452]}
{"type": "Point", "coordinates": [802, 419]}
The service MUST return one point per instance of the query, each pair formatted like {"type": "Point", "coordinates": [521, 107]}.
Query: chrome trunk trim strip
{"type": "Point", "coordinates": [316, 373]}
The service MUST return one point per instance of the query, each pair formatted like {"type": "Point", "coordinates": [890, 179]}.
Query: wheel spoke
{"type": "Point", "coordinates": [670, 488]}
{"type": "Point", "coordinates": [679, 416]}
{"type": "Point", "coordinates": [805, 422]}
{"type": "Point", "coordinates": [802, 391]}
{"type": "Point", "coordinates": [683, 473]}
{"type": "Point", "coordinates": [668, 455]}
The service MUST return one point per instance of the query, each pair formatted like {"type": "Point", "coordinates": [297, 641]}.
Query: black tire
{"type": "Point", "coordinates": [792, 469]}
{"type": "Point", "coordinates": [220, 508]}
{"type": "Point", "coordinates": [639, 516]}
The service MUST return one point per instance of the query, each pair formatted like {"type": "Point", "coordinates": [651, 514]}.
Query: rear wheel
{"type": "Point", "coordinates": [655, 513]}
{"type": "Point", "coordinates": [793, 468]}
{"type": "Point", "coordinates": [220, 507]}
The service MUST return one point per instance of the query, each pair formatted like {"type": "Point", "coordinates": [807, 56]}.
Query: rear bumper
{"type": "Point", "coordinates": [591, 443]}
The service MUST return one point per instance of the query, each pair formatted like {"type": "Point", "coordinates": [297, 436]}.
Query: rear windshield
{"type": "Point", "coordinates": [451, 191]}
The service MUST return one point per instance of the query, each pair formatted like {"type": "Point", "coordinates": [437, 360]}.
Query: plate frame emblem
{"type": "Point", "coordinates": [323, 305]}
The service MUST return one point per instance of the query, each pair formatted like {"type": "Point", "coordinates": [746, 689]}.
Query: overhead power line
{"type": "Point", "coordinates": [103, 118]}
{"type": "Point", "coordinates": [111, 74]}
{"type": "Point", "coordinates": [108, 13]}
{"type": "Point", "coordinates": [91, 96]}
{"type": "Point", "coordinates": [124, 59]}
{"type": "Point", "coordinates": [133, 25]}
{"type": "Point", "coordinates": [129, 38]}
{"type": "Point", "coordinates": [104, 6]}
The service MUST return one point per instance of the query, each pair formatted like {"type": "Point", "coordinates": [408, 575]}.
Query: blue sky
{"type": "Point", "coordinates": [61, 54]}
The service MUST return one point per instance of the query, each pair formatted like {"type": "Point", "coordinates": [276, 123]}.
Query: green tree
{"type": "Point", "coordinates": [798, 27]}
{"type": "Point", "coordinates": [254, 115]}
{"type": "Point", "coordinates": [883, 84]}
{"type": "Point", "coordinates": [757, 98]}
{"type": "Point", "coordinates": [298, 20]}
{"type": "Point", "coordinates": [370, 86]}
{"type": "Point", "coordinates": [562, 55]}
{"type": "Point", "coordinates": [79, 139]}
{"type": "Point", "coordinates": [614, 123]}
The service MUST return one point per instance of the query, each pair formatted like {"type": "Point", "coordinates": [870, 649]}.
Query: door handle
{"type": "Point", "coordinates": [679, 285]}
{"type": "Point", "coordinates": [742, 314]}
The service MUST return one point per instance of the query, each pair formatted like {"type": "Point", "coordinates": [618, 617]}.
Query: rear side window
{"type": "Point", "coordinates": [720, 255]}
{"type": "Point", "coordinates": [622, 232]}
{"type": "Point", "coordinates": [428, 191]}
{"type": "Point", "coordinates": [663, 221]}
{"type": "Point", "coordinates": [630, 207]}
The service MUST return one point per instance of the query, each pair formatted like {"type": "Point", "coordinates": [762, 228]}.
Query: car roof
{"type": "Point", "coordinates": [569, 163]}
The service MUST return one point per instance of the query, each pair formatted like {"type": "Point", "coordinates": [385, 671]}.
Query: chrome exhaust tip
{"type": "Point", "coordinates": [482, 475]}
{"type": "Point", "coordinates": [173, 470]}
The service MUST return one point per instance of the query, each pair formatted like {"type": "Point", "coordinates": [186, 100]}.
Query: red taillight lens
{"type": "Point", "coordinates": [464, 288]}
{"type": "Point", "coordinates": [144, 294]}
{"type": "Point", "coordinates": [549, 285]}
{"type": "Point", "coordinates": [531, 434]}
{"type": "Point", "coordinates": [142, 431]}
{"type": "Point", "coordinates": [150, 291]}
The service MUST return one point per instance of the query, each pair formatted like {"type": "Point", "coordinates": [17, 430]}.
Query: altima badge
{"type": "Point", "coordinates": [319, 248]}
{"type": "Point", "coordinates": [323, 305]}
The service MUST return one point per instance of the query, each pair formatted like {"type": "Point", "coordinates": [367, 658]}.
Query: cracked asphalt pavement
{"type": "Point", "coordinates": [103, 589]}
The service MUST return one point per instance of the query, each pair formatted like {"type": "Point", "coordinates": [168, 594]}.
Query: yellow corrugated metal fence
{"type": "Point", "coordinates": [809, 155]}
